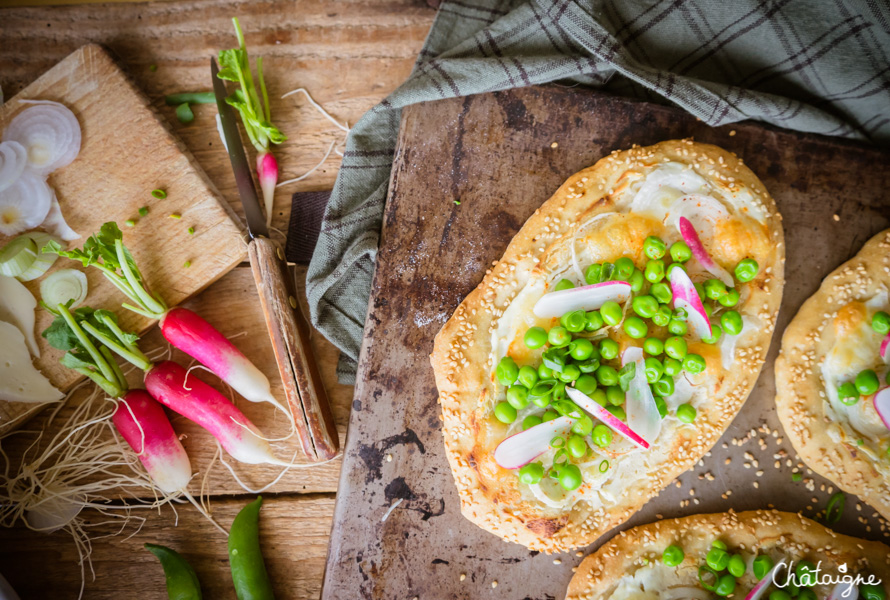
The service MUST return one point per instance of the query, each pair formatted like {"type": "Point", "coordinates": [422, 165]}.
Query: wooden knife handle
{"type": "Point", "coordinates": [289, 331]}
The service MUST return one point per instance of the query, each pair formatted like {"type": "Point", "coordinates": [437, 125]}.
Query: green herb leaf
{"type": "Point", "coordinates": [626, 374]}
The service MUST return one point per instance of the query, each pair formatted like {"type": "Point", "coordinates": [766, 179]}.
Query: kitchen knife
{"type": "Point", "coordinates": [288, 327]}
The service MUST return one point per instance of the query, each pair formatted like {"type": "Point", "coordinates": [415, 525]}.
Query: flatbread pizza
{"type": "Point", "coordinates": [757, 554]}
{"type": "Point", "coordinates": [611, 346]}
{"type": "Point", "coordinates": [832, 376]}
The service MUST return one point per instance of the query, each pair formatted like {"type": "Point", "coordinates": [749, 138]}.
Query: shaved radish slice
{"type": "Point", "coordinates": [759, 590]}
{"type": "Point", "coordinates": [885, 348]}
{"type": "Point", "coordinates": [642, 412]}
{"type": "Point", "coordinates": [24, 204]}
{"type": "Point", "coordinates": [686, 297]}
{"type": "Point", "coordinates": [845, 590]}
{"type": "Point", "coordinates": [701, 255]}
{"type": "Point", "coordinates": [881, 401]}
{"type": "Point", "coordinates": [50, 133]}
{"type": "Point", "coordinates": [56, 223]}
{"type": "Point", "coordinates": [518, 450]}
{"type": "Point", "coordinates": [588, 297]}
{"type": "Point", "coordinates": [13, 158]}
{"type": "Point", "coordinates": [588, 404]}
{"type": "Point", "coordinates": [704, 212]}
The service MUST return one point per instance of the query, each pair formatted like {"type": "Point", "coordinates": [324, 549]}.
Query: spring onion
{"type": "Point", "coordinates": [66, 286]}
{"type": "Point", "coordinates": [190, 98]}
{"type": "Point", "coordinates": [43, 261]}
{"type": "Point", "coordinates": [17, 256]}
{"type": "Point", "coordinates": [835, 508]}
{"type": "Point", "coordinates": [143, 211]}
{"type": "Point", "coordinates": [159, 194]}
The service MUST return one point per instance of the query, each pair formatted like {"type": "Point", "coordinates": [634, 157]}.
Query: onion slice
{"type": "Point", "coordinates": [844, 591]}
{"type": "Point", "coordinates": [588, 404]}
{"type": "Point", "coordinates": [24, 204]}
{"type": "Point", "coordinates": [690, 236]}
{"type": "Point", "coordinates": [50, 133]}
{"type": "Point", "coordinates": [13, 158]}
{"type": "Point", "coordinates": [43, 261]}
{"type": "Point", "coordinates": [588, 297]}
{"type": "Point", "coordinates": [881, 401]}
{"type": "Point", "coordinates": [686, 297]}
{"type": "Point", "coordinates": [63, 286]}
{"type": "Point", "coordinates": [759, 590]}
{"type": "Point", "coordinates": [56, 223]}
{"type": "Point", "coordinates": [642, 412]}
{"type": "Point", "coordinates": [520, 449]}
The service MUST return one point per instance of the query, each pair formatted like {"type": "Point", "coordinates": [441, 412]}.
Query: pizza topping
{"type": "Point", "coordinates": [589, 297]}
{"type": "Point", "coordinates": [604, 415]}
{"type": "Point", "coordinates": [520, 449]}
{"type": "Point", "coordinates": [882, 405]}
{"type": "Point", "coordinates": [686, 298]}
{"type": "Point", "coordinates": [642, 413]}
{"type": "Point", "coordinates": [690, 236]}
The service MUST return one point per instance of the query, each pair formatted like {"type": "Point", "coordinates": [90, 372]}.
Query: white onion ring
{"type": "Point", "coordinates": [50, 133]}
{"type": "Point", "coordinates": [56, 223]}
{"type": "Point", "coordinates": [13, 158]}
{"type": "Point", "coordinates": [25, 204]}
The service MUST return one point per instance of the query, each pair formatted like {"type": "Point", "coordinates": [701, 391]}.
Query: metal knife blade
{"type": "Point", "coordinates": [256, 222]}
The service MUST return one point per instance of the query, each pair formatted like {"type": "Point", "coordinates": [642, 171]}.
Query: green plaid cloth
{"type": "Point", "coordinates": [820, 66]}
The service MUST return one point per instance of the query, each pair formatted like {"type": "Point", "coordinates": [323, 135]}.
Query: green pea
{"type": "Point", "coordinates": [763, 564]}
{"type": "Point", "coordinates": [662, 292]}
{"type": "Point", "coordinates": [670, 269]}
{"type": "Point", "coordinates": [559, 336]}
{"type": "Point", "coordinates": [593, 274]}
{"type": "Point", "coordinates": [507, 371]}
{"type": "Point", "coordinates": [686, 413]}
{"type": "Point", "coordinates": [617, 412]}
{"type": "Point", "coordinates": [717, 559]}
{"type": "Point", "coordinates": [570, 373]}
{"type": "Point", "coordinates": [576, 446]}
{"type": "Point", "coordinates": [663, 316]}
{"type": "Point", "coordinates": [528, 376]}
{"type": "Point", "coordinates": [608, 349]}
{"type": "Point", "coordinates": [848, 394]}
{"type": "Point", "coordinates": [746, 270]}
{"type": "Point", "coordinates": [653, 346]}
{"type": "Point", "coordinates": [564, 284]}
{"type": "Point", "coordinates": [518, 398]}
{"type": "Point", "coordinates": [654, 247]}
{"type": "Point", "coordinates": [544, 372]}
{"type": "Point", "coordinates": [731, 321]}
{"type": "Point", "coordinates": [870, 591]}
{"type": "Point", "coordinates": [680, 252]}
{"type": "Point", "coordinates": [599, 396]}
{"type": "Point", "coordinates": [614, 395]}
{"type": "Point", "coordinates": [583, 426]}
{"type": "Point", "coordinates": [675, 347]}
{"type": "Point", "coordinates": [636, 281]}
{"type": "Point", "coordinates": [581, 349]}
{"type": "Point", "coordinates": [677, 327]}
{"type": "Point", "coordinates": [737, 566]}
{"type": "Point", "coordinates": [624, 268]}
{"type": "Point", "coordinates": [880, 322]}
{"type": "Point", "coordinates": [645, 306]}
{"type": "Point", "coordinates": [716, 332]}
{"type": "Point", "coordinates": [602, 435]}
{"type": "Point", "coordinates": [661, 405]}
{"type": "Point", "coordinates": [730, 299]}
{"type": "Point", "coordinates": [531, 421]}
{"type": "Point", "coordinates": [654, 271]}
{"type": "Point", "coordinates": [594, 321]}
{"type": "Point", "coordinates": [867, 382]}
{"type": "Point", "coordinates": [714, 289]}
{"type": "Point", "coordinates": [586, 384]}
{"type": "Point", "coordinates": [636, 327]}
{"type": "Point", "coordinates": [574, 321]}
{"type": "Point", "coordinates": [664, 386]}
{"type": "Point", "coordinates": [531, 473]}
{"type": "Point", "coordinates": [654, 370]}
{"type": "Point", "coordinates": [805, 572]}
{"type": "Point", "coordinates": [808, 594]}
{"type": "Point", "coordinates": [672, 367]}
{"type": "Point", "coordinates": [725, 585]}
{"type": "Point", "coordinates": [606, 375]}
{"type": "Point", "coordinates": [549, 415]}
{"type": "Point", "coordinates": [694, 363]}
{"type": "Point", "coordinates": [570, 477]}
{"type": "Point", "coordinates": [611, 313]}
{"type": "Point", "coordinates": [672, 556]}
{"type": "Point", "coordinates": [535, 337]}
{"type": "Point", "coordinates": [505, 413]}
{"type": "Point", "coordinates": [779, 595]}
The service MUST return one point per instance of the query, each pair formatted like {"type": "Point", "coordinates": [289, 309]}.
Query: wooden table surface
{"type": "Point", "coordinates": [349, 55]}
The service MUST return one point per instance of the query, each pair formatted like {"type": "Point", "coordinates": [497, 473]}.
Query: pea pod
{"type": "Point", "coordinates": [245, 558]}
{"type": "Point", "coordinates": [182, 583]}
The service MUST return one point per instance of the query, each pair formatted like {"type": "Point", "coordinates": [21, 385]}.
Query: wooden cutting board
{"type": "Point", "coordinates": [501, 156]}
{"type": "Point", "coordinates": [127, 151]}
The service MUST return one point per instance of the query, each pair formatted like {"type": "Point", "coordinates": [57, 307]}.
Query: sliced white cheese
{"type": "Point", "coordinates": [19, 380]}
{"type": "Point", "coordinates": [17, 306]}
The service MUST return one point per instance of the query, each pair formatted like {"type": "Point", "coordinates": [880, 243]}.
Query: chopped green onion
{"type": "Point", "coordinates": [143, 211]}
{"type": "Point", "coordinates": [184, 113]}
{"type": "Point", "coordinates": [159, 194]}
{"type": "Point", "coordinates": [187, 264]}
{"type": "Point", "coordinates": [191, 98]}
{"type": "Point", "coordinates": [604, 466]}
{"type": "Point", "coordinates": [191, 230]}
{"type": "Point", "coordinates": [175, 216]}
{"type": "Point", "coordinates": [835, 508]}
{"type": "Point", "coordinates": [557, 442]}
{"type": "Point", "coordinates": [797, 477]}
{"type": "Point", "coordinates": [130, 223]}
{"type": "Point", "coordinates": [152, 68]}
{"type": "Point", "coordinates": [457, 202]}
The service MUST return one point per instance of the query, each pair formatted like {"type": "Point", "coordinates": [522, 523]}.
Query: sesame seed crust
{"type": "Point", "coordinates": [461, 357]}
{"type": "Point", "coordinates": [779, 534]}
{"type": "Point", "coordinates": [800, 391]}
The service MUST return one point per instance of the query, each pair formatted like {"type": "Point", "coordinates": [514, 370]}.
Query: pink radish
{"type": "Point", "coordinates": [759, 590]}
{"type": "Point", "coordinates": [701, 255]}
{"type": "Point", "coordinates": [267, 173]}
{"type": "Point", "coordinates": [198, 402]}
{"type": "Point", "coordinates": [590, 405]}
{"type": "Point", "coordinates": [686, 297]}
{"type": "Point", "coordinates": [642, 412]}
{"type": "Point", "coordinates": [885, 348]}
{"type": "Point", "coordinates": [588, 297]}
{"type": "Point", "coordinates": [520, 449]}
{"type": "Point", "coordinates": [881, 401]}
